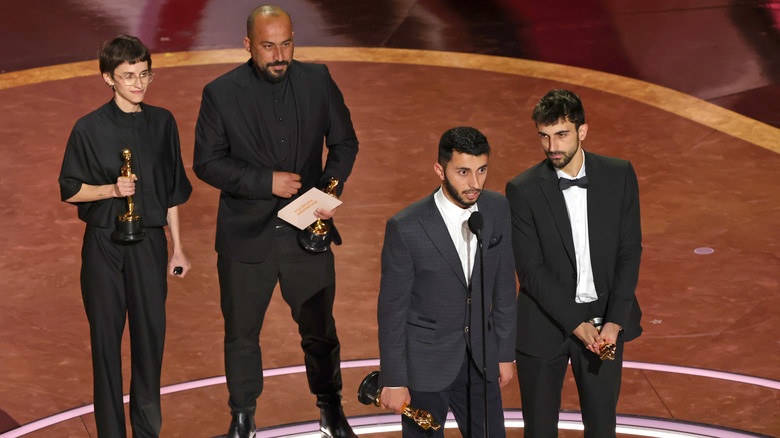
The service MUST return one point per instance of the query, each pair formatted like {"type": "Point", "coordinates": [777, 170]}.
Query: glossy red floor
{"type": "Point", "coordinates": [702, 185]}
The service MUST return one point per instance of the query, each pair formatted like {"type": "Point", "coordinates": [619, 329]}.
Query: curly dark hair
{"type": "Point", "coordinates": [559, 105]}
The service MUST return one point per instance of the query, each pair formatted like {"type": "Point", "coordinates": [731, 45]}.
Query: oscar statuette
{"type": "Point", "coordinates": [369, 392]}
{"type": "Point", "coordinates": [606, 351]}
{"type": "Point", "coordinates": [128, 225]}
{"type": "Point", "coordinates": [317, 237]}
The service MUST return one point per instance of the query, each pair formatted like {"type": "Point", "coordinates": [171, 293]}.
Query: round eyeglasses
{"type": "Point", "coordinates": [129, 79]}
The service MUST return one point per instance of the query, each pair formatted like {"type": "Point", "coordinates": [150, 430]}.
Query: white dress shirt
{"type": "Point", "coordinates": [577, 206]}
{"type": "Point", "coordinates": [456, 219]}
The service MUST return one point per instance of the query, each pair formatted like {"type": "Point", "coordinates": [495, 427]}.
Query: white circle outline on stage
{"type": "Point", "coordinates": [643, 426]}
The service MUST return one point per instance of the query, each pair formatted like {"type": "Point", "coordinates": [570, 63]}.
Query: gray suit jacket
{"type": "Point", "coordinates": [545, 259]}
{"type": "Point", "coordinates": [424, 328]}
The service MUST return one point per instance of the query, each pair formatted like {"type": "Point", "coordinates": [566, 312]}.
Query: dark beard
{"type": "Point", "coordinates": [563, 161]}
{"type": "Point", "coordinates": [566, 158]}
{"type": "Point", "coordinates": [270, 77]}
{"type": "Point", "coordinates": [463, 203]}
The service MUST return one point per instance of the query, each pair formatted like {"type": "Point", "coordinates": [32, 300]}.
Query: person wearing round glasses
{"type": "Point", "coordinates": [126, 281]}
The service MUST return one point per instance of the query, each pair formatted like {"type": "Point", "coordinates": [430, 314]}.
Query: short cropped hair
{"type": "Point", "coordinates": [123, 48]}
{"type": "Point", "coordinates": [559, 105]}
{"type": "Point", "coordinates": [464, 140]}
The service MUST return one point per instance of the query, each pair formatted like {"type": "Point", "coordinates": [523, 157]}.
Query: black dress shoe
{"type": "Point", "coordinates": [333, 423]}
{"type": "Point", "coordinates": [242, 426]}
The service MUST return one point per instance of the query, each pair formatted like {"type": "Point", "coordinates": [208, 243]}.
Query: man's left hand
{"type": "Point", "coordinates": [610, 332]}
{"type": "Point", "coordinates": [324, 214]}
{"type": "Point", "coordinates": [506, 370]}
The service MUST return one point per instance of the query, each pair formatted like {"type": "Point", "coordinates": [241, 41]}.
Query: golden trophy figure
{"type": "Point", "coordinates": [606, 351]}
{"type": "Point", "coordinates": [370, 392]}
{"type": "Point", "coordinates": [128, 225]}
{"type": "Point", "coordinates": [317, 237]}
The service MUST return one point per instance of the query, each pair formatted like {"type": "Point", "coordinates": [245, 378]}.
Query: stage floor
{"type": "Point", "coordinates": [702, 173]}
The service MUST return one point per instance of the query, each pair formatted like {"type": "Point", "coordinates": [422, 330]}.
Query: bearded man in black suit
{"type": "Point", "coordinates": [577, 243]}
{"type": "Point", "coordinates": [259, 139]}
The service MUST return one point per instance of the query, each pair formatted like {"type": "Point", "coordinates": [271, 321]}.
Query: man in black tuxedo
{"type": "Point", "coordinates": [577, 243]}
{"type": "Point", "coordinates": [430, 298]}
{"type": "Point", "coordinates": [259, 139]}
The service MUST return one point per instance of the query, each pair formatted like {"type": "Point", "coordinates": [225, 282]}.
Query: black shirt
{"type": "Point", "coordinates": [94, 156]}
{"type": "Point", "coordinates": [275, 104]}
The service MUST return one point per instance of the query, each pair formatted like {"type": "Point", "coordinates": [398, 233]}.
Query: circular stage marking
{"type": "Point", "coordinates": [642, 426]}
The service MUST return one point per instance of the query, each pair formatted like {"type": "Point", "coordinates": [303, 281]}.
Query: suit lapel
{"type": "Point", "coordinates": [557, 205]}
{"type": "Point", "coordinates": [298, 82]}
{"type": "Point", "coordinates": [434, 227]}
{"type": "Point", "coordinates": [599, 193]}
{"type": "Point", "coordinates": [247, 104]}
{"type": "Point", "coordinates": [487, 233]}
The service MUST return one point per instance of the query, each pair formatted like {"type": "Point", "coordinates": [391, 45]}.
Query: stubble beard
{"type": "Point", "coordinates": [453, 192]}
{"type": "Point", "coordinates": [567, 157]}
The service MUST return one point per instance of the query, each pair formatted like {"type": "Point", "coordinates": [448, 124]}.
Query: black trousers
{"type": "Point", "coordinates": [463, 394]}
{"type": "Point", "coordinates": [308, 285]}
{"type": "Point", "coordinates": [598, 385]}
{"type": "Point", "coordinates": [118, 283]}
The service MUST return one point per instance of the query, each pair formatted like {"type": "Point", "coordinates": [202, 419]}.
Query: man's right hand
{"type": "Point", "coordinates": [395, 399]}
{"type": "Point", "coordinates": [286, 184]}
{"type": "Point", "coordinates": [589, 335]}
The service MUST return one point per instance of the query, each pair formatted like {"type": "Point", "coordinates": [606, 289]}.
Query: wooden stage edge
{"type": "Point", "coordinates": [675, 102]}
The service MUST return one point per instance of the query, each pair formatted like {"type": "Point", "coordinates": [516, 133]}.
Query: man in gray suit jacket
{"type": "Point", "coordinates": [430, 298]}
{"type": "Point", "coordinates": [577, 243]}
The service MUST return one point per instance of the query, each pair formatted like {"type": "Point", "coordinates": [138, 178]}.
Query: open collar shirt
{"type": "Point", "coordinates": [456, 219]}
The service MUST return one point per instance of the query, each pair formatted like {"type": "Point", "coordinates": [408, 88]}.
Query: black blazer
{"type": "Point", "coordinates": [231, 152]}
{"type": "Point", "coordinates": [545, 259]}
{"type": "Point", "coordinates": [422, 308]}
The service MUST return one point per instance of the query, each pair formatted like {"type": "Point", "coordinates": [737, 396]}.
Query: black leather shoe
{"type": "Point", "coordinates": [242, 426]}
{"type": "Point", "coordinates": [333, 423]}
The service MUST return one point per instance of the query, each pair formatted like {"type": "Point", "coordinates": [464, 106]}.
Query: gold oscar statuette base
{"type": "Point", "coordinates": [128, 230]}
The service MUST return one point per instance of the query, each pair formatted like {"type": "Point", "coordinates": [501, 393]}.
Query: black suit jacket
{"type": "Point", "coordinates": [545, 259]}
{"type": "Point", "coordinates": [233, 154]}
{"type": "Point", "coordinates": [422, 308]}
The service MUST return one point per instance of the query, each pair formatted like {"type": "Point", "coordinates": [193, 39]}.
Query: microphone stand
{"type": "Point", "coordinates": [476, 222]}
{"type": "Point", "coordinates": [484, 329]}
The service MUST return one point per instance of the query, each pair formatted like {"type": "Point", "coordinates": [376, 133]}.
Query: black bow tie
{"type": "Point", "coordinates": [565, 183]}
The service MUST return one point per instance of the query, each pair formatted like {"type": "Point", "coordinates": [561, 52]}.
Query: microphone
{"type": "Point", "coordinates": [476, 222]}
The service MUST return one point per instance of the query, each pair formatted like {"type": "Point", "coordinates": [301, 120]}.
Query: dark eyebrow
{"type": "Point", "coordinates": [469, 169]}
{"type": "Point", "coordinates": [556, 133]}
